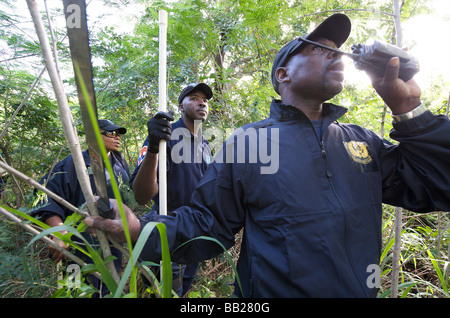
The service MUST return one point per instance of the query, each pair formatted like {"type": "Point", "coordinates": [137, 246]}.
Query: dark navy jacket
{"type": "Point", "coordinates": [188, 157]}
{"type": "Point", "coordinates": [64, 182]}
{"type": "Point", "coordinates": [312, 228]}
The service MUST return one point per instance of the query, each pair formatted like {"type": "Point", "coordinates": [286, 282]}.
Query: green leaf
{"type": "Point", "coordinates": [438, 271]}
{"type": "Point", "coordinates": [386, 249]}
{"type": "Point", "coordinates": [166, 263]}
{"type": "Point", "coordinates": [95, 256]}
{"type": "Point", "coordinates": [407, 285]}
{"type": "Point", "coordinates": [207, 238]}
{"type": "Point", "coordinates": [62, 237]}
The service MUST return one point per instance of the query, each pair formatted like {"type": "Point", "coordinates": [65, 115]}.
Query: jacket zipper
{"type": "Point", "coordinates": [329, 176]}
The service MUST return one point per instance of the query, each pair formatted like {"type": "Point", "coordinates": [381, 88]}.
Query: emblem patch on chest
{"type": "Point", "coordinates": [358, 151]}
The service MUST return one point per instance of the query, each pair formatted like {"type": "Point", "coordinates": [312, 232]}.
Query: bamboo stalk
{"type": "Point", "coordinates": [70, 132]}
{"type": "Point", "coordinates": [396, 253]}
{"type": "Point", "coordinates": [43, 189]}
{"type": "Point", "coordinates": [398, 211]}
{"type": "Point", "coordinates": [46, 239]}
{"type": "Point", "coordinates": [438, 243]}
{"type": "Point", "coordinates": [52, 34]}
{"type": "Point", "coordinates": [383, 120]}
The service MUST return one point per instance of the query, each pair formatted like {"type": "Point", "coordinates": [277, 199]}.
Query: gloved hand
{"type": "Point", "coordinates": [159, 128]}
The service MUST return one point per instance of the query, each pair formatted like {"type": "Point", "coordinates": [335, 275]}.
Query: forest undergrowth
{"type": "Point", "coordinates": [27, 272]}
{"type": "Point", "coordinates": [236, 61]}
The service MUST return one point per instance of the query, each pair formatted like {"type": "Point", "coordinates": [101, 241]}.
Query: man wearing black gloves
{"type": "Point", "coordinates": [183, 170]}
{"type": "Point", "coordinates": [313, 227]}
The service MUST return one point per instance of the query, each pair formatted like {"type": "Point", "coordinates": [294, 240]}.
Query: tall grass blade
{"type": "Point", "coordinates": [166, 263]}
{"type": "Point", "coordinates": [438, 271]}
{"type": "Point", "coordinates": [407, 285]}
{"type": "Point", "coordinates": [386, 249]}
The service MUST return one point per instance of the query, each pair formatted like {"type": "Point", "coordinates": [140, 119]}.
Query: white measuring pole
{"type": "Point", "coordinates": [162, 107]}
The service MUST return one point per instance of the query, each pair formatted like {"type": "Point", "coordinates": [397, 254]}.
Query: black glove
{"type": "Point", "coordinates": [159, 128]}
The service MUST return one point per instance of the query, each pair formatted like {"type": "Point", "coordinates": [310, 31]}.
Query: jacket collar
{"type": "Point", "coordinates": [282, 112]}
{"type": "Point", "coordinates": [185, 132]}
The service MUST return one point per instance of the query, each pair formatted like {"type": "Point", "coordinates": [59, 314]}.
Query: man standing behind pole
{"type": "Point", "coordinates": [188, 155]}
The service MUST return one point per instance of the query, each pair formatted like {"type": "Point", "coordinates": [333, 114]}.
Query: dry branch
{"type": "Point", "coordinates": [42, 188]}
{"type": "Point", "coordinates": [33, 231]}
{"type": "Point", "coordinates": [22, 103]}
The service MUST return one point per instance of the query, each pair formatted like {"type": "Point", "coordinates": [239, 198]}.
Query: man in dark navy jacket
{"type": "Point", "coordinates": [313, 220]}
{"type": "Point", "coordinates": [188, 156]}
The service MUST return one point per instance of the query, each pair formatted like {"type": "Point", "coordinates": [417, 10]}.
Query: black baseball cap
{"type": "Point", "coordinates": [336, 28]}
{"type": "Point", "coordinates": [195, 86]}
{"type": "Point", "coordinates": [110, 126]}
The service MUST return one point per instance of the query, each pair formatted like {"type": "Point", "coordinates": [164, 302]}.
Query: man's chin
{"type": "Point", "coordinates": [333, 90]}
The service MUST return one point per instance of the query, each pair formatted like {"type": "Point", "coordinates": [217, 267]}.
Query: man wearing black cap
{"type": "Point", "coordinates": [184, 170]}
{"type": "Point", "coordinates": [62, 180]}
{"type": "Point", "coordinates": [313, 228]}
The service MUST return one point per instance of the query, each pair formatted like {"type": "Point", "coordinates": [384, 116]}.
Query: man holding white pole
{"type": "Point", "coordinates": [182, 173]}
{"type": "Point", "coordinates": [160, 176]}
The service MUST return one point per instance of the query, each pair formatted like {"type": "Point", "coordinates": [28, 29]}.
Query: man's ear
{"type": "Point", "coordinates": [281, 75]}
{"type": "Point", "coordinates": [181, 108]}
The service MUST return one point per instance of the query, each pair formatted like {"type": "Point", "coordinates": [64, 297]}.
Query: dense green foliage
{"type": "Point", "coordinates": [230, 44]}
